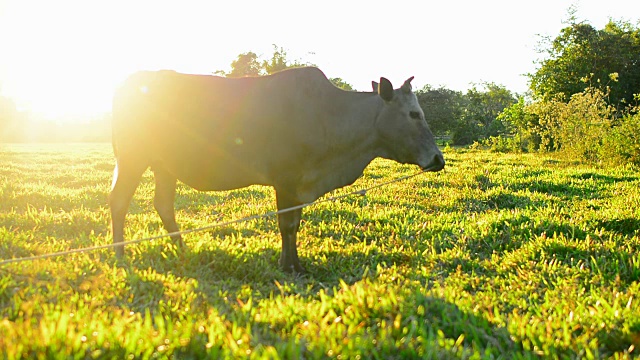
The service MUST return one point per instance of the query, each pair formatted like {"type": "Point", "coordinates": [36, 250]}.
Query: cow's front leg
{"type": "Point", "coordinates": [288, 222]}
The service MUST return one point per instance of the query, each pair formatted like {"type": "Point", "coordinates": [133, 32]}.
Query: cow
{"type": "Point", "coordinates": [292, 130]}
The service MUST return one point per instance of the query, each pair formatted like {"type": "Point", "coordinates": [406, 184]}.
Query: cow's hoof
{"type": "Point", "coordinates": [299, 270]}
{"type": "Point", "coordinates": [293, 269]}
{"type": "Point", "coordinates": [179, 242]}
{"type": "Point", "coordinates": [119, 252]}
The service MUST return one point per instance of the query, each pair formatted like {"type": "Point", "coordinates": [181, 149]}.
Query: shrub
{"type": "Point", "coordinates": [502, 144]}
{"type": "Point", "coordinates": [585, 128]}
{"type": "Point", "coordinates": [523, 125]}
{"type": "Point", "coordinates": [576, 128]}
{"type": "Point", "coordinates": [621, 144]}
{"type": "Point", "coordinates": [466, 133]}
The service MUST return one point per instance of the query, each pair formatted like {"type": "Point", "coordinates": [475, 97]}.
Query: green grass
{"type": "Point", "coordinates": [499, 256]}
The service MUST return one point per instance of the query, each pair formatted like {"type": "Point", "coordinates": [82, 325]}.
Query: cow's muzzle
{"type": "Point", "coordinates": [437, 163]}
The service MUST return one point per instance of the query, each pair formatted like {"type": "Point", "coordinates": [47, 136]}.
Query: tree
{"type": "Point", "coordinates": [246, 64]}
{"type": "Point", "coordinates": [279, 61]}
{"type": "Point", "coordinates": [249, 64]}
{"type": "Point", "coordinates": [480, 116]}
{"type": "Point", "coordinates": [522, 124]}
{"type": "Point", "coordinates": [442, 108]}
{"type": "Point", "coordinates": [581, 56]}
{"type": "Point", "coordinates": [341, 83]}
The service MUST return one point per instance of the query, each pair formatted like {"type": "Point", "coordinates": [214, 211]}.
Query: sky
{"type": "Point", "coordinates": [64, 58]}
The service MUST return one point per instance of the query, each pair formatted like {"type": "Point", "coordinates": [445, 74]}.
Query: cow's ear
{"type": "Point", "coordinates": [375, 86]}
{"type": "Point", "coordinates": [385, 89]}
{"type": "Point", "coordinates": [406, 87]}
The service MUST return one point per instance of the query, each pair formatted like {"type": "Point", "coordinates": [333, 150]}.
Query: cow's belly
{"type": "Point", "coordinates": [318, 181]}
{"type": "Point", "coordinates": [207, 172]}
{"type": "Point", "coordinates": [219, 180]}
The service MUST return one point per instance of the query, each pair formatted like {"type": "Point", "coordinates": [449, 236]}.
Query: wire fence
{"type": "Point", "coordinates": [360, 192]}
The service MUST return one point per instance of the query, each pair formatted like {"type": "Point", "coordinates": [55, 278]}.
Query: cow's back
{"type": "Point", "coordinates": [218, 133]}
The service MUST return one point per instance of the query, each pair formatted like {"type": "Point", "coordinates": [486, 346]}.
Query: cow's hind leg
{"type": "Point", "coordinates": [164, 200]}
{"type": "Point", "coordinates": [126, 177]}
{"type": "Point", "coordinates": [289, 223]}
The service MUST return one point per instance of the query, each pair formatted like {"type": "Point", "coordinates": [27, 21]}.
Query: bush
{"type": "Point", "coordinates": [523, 125]}
{"type": "Point", "coordinates": [586, 128]}
{"type": "Point", "coordinates": [575, 128]}
{"type": "Point", "coordinates": [466, 134]}
{"type": "Point", "coordinates": [502, 144]}
{"type": "Point", "coordinates": [582, 123]}
{"type": "Point", "coordinates": [621, 144]}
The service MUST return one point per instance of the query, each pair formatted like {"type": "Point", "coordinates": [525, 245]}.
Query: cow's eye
{"type": "Point", "coordinates": [414, 115]}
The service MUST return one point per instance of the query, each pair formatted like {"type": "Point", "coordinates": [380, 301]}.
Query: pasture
{"type": "Point", "coordinates": [498, 256]}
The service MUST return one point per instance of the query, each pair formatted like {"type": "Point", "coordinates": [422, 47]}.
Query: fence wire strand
{"type": "Point", "coordinates": [361, 192]}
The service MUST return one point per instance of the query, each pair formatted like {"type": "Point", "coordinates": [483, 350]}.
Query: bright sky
{"type": "Point", "coordinates": [65, 57]}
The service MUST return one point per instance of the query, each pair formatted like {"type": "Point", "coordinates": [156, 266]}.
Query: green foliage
{"type": "Point", "coordinates": [582, 123]}
{"type": "Point", "coordinates": [500, 256]}
{"type": "Point", "coordinates": [466, 117]}
{"type": "Point", "coordinates": [484, 106]}
{"type": "Point", "coordinates": [341, 84]}
{"type": "Point", "coordinates": [575, 127]}
{"type": "Point", "coordinates": [522, 125]}
{"type": "Point", "coordinates": [279, 61]}
{"type": "Point", "coordinates": [246, 64]}
{"type": "Point", "coordinates": [480, 116]}
{"type": "Point", "coordinates": [581, 51]}
{"type": "Point", "coordinates": [621, 144]}
{"type": "Point", "coordinates": [249, 64]}
{"type": "Point", "coordinates": [586, 128]}
{"type": "Point", "coordinates": [442, 108]}
{"type": "Point", "coordinates": [502, 144]}
{"type": "Point", "coordinates": [466, 132]}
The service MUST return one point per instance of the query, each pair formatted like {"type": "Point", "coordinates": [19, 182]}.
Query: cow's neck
{"type": "Point", "coordinates": [356, 130]}
{"type": "Point", "coordinates": [358, 146]}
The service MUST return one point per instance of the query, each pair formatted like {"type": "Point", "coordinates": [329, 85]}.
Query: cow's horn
{"type": "Point", "coordinates": [406, 87]}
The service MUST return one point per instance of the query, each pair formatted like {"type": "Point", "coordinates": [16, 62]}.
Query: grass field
{"type": "Point", "coordinates": [499, 256]}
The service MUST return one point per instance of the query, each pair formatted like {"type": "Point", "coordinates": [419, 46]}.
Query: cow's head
{"type": "Point", "coordinates": [403, 131]}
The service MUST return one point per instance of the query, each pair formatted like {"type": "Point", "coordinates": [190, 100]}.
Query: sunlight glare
{"type": "Point", "coordinates": [63, 67]}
